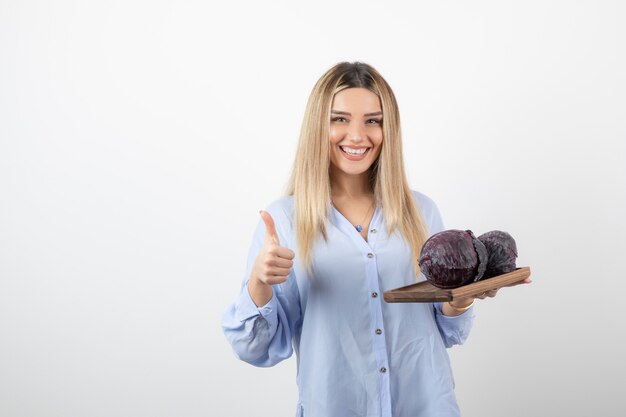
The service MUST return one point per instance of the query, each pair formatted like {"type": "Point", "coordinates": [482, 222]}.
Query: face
{"type": "Point", "coordinates": [355, 126]}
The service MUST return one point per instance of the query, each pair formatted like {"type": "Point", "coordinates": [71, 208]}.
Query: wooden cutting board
{"type": "Point", "coordinates": [425, 292]}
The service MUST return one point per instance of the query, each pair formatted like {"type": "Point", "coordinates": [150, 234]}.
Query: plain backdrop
{"type": "Point", "coordinates": [139, 139]}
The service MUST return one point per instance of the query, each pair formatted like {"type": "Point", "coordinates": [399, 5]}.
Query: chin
{"type": "Point", "coordinates": [352, 170]}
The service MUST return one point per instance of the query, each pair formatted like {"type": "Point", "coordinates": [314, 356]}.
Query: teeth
{"type": "Point", "coordinates": [353, 152]}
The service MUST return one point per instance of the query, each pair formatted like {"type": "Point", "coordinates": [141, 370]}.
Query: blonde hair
{"type": "Point", "coordinates": [310, 177]}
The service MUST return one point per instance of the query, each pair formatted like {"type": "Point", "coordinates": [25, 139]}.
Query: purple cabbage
{"type": "Point", "coordinates": [502, 252]}
{"type": "Point", "coordinates": [453, 258]}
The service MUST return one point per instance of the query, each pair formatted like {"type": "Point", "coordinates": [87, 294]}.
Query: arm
{"type": "Point", "coordinates": [262, 335]}
{"type": "Point", "coordinates": [455, 329]}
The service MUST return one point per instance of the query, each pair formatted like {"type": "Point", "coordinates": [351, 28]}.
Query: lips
{"type": "Point", "coordinates": [355, 157]}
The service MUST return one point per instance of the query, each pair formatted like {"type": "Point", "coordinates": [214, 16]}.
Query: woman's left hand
{"type": "Point", "coordinates": [466, 301]}
{"type": "Point", "coordinates": [492, 293]}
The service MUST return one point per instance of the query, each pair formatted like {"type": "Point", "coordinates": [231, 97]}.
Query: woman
{"type": "Point", "coordinates": [357, 229]}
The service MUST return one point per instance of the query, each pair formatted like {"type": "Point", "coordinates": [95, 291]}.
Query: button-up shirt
{"type": "Point", "coordinates": [357, 355]}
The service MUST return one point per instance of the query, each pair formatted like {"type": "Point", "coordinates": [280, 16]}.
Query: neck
{"type": "Point", "coordinates": [349, 186]}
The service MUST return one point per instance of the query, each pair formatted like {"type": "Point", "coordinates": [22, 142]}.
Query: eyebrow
{"type": "Point", "coordinates": [378, 113]}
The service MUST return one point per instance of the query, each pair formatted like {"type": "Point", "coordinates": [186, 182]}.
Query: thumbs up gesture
{"type": "Point", "coordinates": [274, 262]}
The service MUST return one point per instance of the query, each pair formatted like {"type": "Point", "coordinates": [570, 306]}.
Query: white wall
{"type": "Point", "coordinates": [139, 139]}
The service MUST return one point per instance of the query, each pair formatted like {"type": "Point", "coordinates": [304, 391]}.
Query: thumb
{"type": "Point", "coordinates": [270, 228]}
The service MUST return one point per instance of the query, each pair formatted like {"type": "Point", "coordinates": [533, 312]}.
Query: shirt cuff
{"type": "Point", "coordinates": [439, 305]}
{"type": "Point", "coordinates": [246, 308]}
{"type": "Point", "coordinates": [454, 329]}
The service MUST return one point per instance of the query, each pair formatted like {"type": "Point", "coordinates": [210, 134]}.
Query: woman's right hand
{"type": "Point", "coordinates": [272, 265]}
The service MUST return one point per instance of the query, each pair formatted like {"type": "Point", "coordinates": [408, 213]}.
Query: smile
{"type": "Point", "coordinates": [354, 154]}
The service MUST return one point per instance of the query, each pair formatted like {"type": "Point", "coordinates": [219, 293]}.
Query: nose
{"type": "Point", "coordinates": [355, 132]}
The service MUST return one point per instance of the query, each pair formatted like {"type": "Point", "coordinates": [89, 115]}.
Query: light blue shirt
{"type": "Point", "coordinates": [357, 355]}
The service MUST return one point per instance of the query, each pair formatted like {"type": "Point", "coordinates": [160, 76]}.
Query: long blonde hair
{"type": "Point", "coordinates": [310, 177]}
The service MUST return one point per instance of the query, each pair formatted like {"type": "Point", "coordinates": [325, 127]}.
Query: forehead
{"type": "Point", "coordinates": [356, 100]}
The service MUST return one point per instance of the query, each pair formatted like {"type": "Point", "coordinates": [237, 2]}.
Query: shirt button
{"type": "Point", "coordinates": [373, 230]}
{"type": "Point", "coordinates": [383, 369]}
{"type": "Point", "coordinates": [378, 331]}
{"type": "Point", "coordinates": [370, 255]}
{"type": "Point", "coordinates": [374, 294]}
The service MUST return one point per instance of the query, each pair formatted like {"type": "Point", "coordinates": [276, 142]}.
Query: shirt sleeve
{"type": "Point", "coordinates": [454, 330]}
{"type": "Point", "coordinates": [262, 336]}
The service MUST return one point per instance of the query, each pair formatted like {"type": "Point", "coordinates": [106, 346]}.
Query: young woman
{"type": "Point", "coordinates": [348, 229]}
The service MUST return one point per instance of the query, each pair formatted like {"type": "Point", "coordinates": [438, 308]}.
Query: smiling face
{"type": "Point", "coordinates": [356, 132]}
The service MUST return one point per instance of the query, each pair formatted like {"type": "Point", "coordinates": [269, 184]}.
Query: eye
{"type": "Point", "coordinates": [376, 121]}
{"type": "Point", "coordinates": [336, 119]}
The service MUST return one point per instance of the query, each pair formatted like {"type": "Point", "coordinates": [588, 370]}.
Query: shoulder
{"type": "Point", "coordinates": [282, 207]}
{"type": "Point", "coordinates": [430, 211]}
{"type": "Point", "coordinates": [281, 210]}
{"type": "Point", "coordinates": [425, 203]}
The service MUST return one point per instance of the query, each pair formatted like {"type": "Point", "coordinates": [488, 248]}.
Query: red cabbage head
{"type": "Point", "coordinates": [502, 252]}
{"type": "Point", "coordinates": [452, 258]}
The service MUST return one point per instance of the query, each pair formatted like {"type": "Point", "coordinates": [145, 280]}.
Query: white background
{"type": "Point", "coordinates": [139, 139]}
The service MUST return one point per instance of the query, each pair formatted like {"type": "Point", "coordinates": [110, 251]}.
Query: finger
{"type": "Point", "coordinates": [524, 281]}
{"type": "Point", "coordinates": [270, 228]}
{"type": "Point", "coordinates": [273, 260]}
{"type": "Point", "coordinates": [276, 279]}
{"type": "Point", "coordinates": [285, 253]}
{"type": "Point", "coordinates": [276, 270]}
{"type": "Point", "coordinates": [282, 252]}
{"type": "Point", "coordinates": [492, 293]}
{"type": "Point", "coordinates": [281, 262]}
{"type": "Point", "coordinates": [276, 266]}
